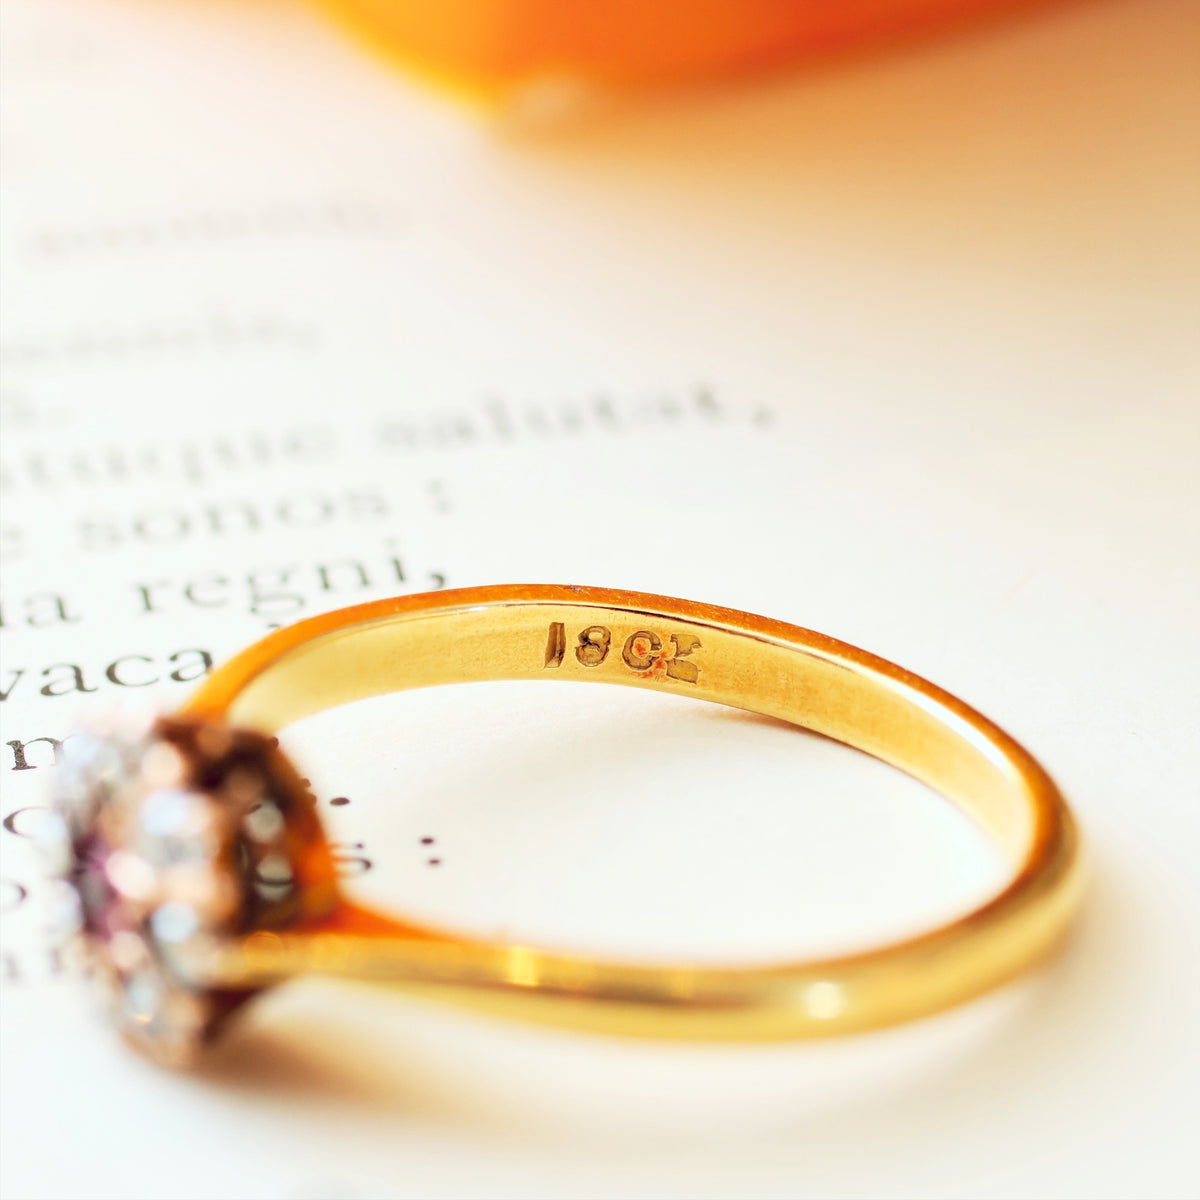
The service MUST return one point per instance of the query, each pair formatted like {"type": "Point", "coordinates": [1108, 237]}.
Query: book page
{"type": "Point", "coordinates": [902, 349]}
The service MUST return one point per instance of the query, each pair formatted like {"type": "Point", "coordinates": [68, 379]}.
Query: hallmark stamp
{"type": "Point", "coordinates": [645, 652]}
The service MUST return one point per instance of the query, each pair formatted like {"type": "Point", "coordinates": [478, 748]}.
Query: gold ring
{"type": "Point", "coordinates": [193, 864]}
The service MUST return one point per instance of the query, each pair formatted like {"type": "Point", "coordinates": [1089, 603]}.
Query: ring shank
{"type": "Point", "coordinates": [732, 658]}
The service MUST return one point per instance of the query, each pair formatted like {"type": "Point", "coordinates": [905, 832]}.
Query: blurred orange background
{"type": "Point", "coordinates": [488, 47]}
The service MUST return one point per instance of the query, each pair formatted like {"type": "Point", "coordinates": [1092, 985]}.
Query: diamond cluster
{"type": "Point", "coordinates": [167, 838]}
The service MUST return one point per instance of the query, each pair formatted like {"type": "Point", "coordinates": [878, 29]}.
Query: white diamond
{"type": "Point", "coordinates": [264, 823]}
{"type": "Point", "coordinates": [174, 921]}
{"type": "Point", "coordinates": [143, 996]}
{"type": "Point", "coordinates": [131, 875]}
{"type": "Point", "coordinates": [64, 912]}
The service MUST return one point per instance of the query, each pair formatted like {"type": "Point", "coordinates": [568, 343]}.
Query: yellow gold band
{"type": "Point", "coordinates": [729, 657]}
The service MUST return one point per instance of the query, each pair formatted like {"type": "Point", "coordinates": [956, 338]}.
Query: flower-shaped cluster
{"type": "Point", "coordinates": [167, 839]}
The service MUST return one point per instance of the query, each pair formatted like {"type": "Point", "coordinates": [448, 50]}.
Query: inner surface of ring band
{"type": "Point", "coordinates": [777, 670]}
{"type": "Point", "coordinates": [536, 631]}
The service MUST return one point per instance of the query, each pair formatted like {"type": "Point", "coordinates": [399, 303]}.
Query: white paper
{"type": "Point", "coordinates": [902, 349]}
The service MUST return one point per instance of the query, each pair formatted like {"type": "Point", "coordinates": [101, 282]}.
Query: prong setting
{"type": "Point", "coordinates": [166, 839]}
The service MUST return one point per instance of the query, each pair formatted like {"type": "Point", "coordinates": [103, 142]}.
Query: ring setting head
{"type": "Point", "coordinates": [167, 840]}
